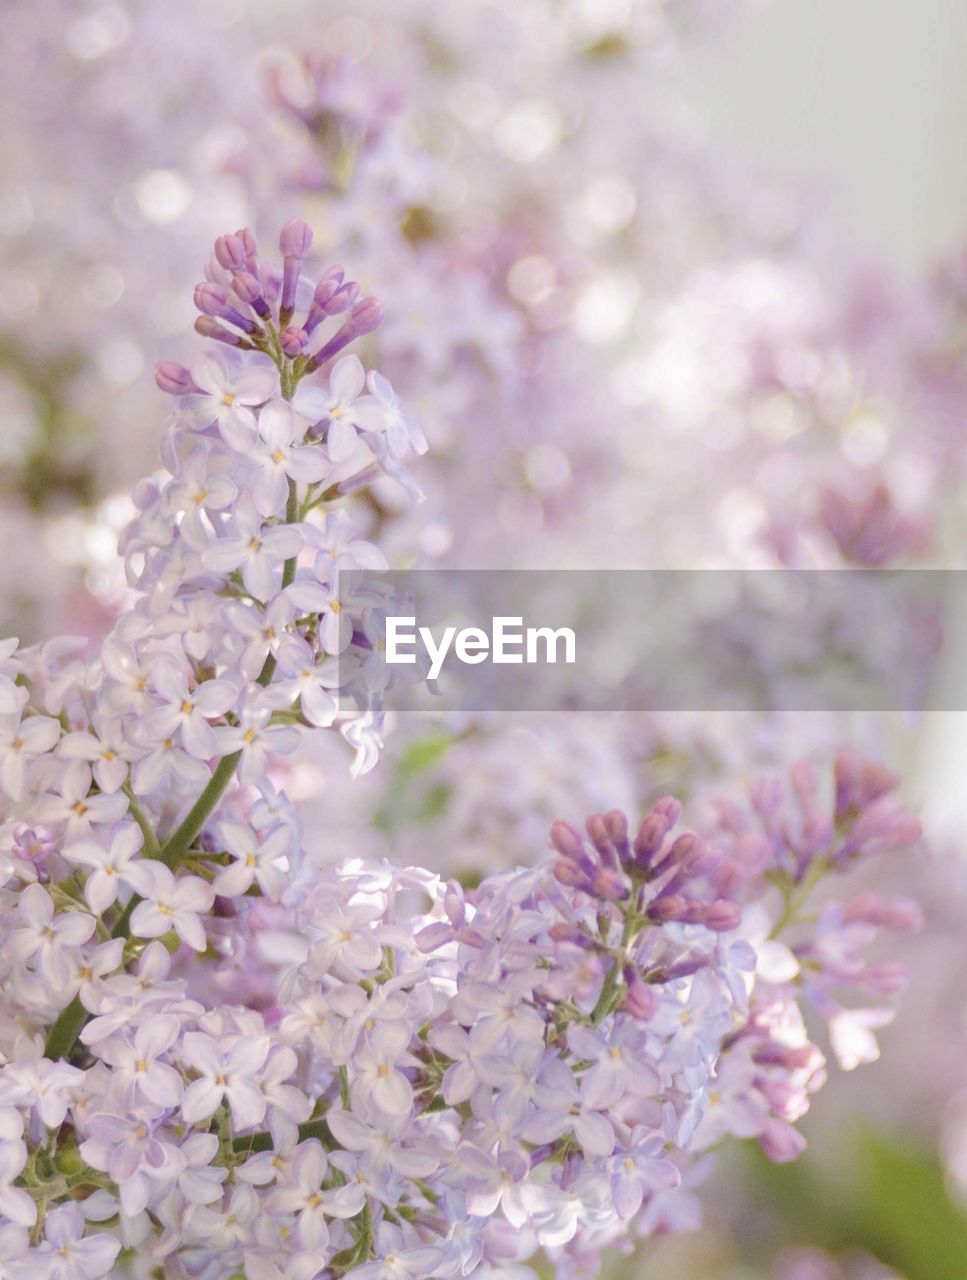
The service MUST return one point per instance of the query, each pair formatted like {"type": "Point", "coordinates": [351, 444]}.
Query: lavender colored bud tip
{"type": "Point", "coordinates": [685, 850]}
{"type": "Point", "coordinates": [230, 252]}
{"type": "Point", "coordinates": [649, 839]}
{"type": "Point", "coordinates": [617, 825]}
{"type": "Point", "coordinates": [324, 291]}
{"type": "Point", "coordinates": [173, 378]}
{"type": "Point", "coordinates": [210, 299]}
{"type": "Point", "coordinates": [564, 933]}
{"type": "Point", "coordinates": [366, 316]}
{"type": "Point", "coordinates": [569, 873]}
{"type": "Point", "coordinates": [341, 299]}
{"type": "Point", "coordinates": [295, 240]}
{"type": "Point", "coordinates": [669, 808]}
{"type": "Point", "coordinates": [209, 328]}
{"type": "Point", "coordinates": [722, 916]}
{"type": "Point", "coordinates": [246, 286]}
{"type": "Point", "coordinates": [293, 341]}
{"type": "Point", "coordinates": [668, 907]}
{"type": "Point", "coordinates": [609, 885]}
{"type": "Point", "coordinates": [566, 840]}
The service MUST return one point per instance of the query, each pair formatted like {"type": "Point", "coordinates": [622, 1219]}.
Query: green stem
{"type": "Point", "coordinates": [610, 986]}
{"type": "Point", "coordinates": [797, 895]}
{"type": "Point", "coordinates": [182, 839]}
{"type": "Point", "coordinates": [253, 1142]}
{"type": "Point", "coordinates": [151, 846]}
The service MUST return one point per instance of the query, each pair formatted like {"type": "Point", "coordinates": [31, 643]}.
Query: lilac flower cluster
{"type": "Point", "coordinates": [809, 957]}
{"type": "Point", "coordinates": [219, 1061]}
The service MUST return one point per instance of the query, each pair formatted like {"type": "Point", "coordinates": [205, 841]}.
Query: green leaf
{"type": "Point", "coordinates": [424, 753]}
{"type": "Point", "coordinates": [408, 803]}
{"type": "Point", "coordinates": [887, 1197]}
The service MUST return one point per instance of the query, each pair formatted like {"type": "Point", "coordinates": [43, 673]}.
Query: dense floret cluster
{"type": "Point", "coordinates": [220, 1060]}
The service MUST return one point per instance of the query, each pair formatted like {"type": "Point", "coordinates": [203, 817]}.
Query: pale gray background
{"type": "Point", "coordinates": [869, 93]}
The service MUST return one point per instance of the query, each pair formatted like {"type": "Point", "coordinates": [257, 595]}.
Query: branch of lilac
{"type": "Point", "coordinates": [285, 347]}
{"type": "Point", "coordinates": [378, 1072]}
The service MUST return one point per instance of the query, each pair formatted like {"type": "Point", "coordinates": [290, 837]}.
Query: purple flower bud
{"type": "Point", "coordinates": [569, 934]}
{"type": "Point", "coordinates": [789, 1057]}
{"type": "Point", "coordinates": [609, 885]}
{"type": "Point", "coordinates": [295, 243]}
{"type": "Point", "coordinates": [902, 914]}
{"type": "Point", "coordinates": [681, 969]}
{"type": "Point", "coordinates": [722, 916]}
{"type": "Point", "coordinates": [649, 840]}
{"type": "Point", "coordinates": [668, 808]}
{"type": "Point", "coordinates": [352, 484]}
{"type": "Point", "coordinates": [329, 285]}
{"type": "Point", "coordinates": [694, 912]}
{"type": "Point", "coordinates": [251, 246]}
{"type": "Point", "coordinates": [567, 840]}
{"type": "Point", "coordinates": [212, 300]}
{"type": "Point", "coordinates": [173, 378]}
{"type": "Point", "coordinates": [617, 827]}
{"type": "Point", "coordinates": [569, 873]}
{"type": "Point", "coordinates": [692, 860]}
{"type": "Point", "coordinates": [859, 783]}
{"type": "Point", "coordinates": [331, 298]}
{"type": "Point", "coordinates": [249, 290]}
{"type": "Point", "coordinates": [344, 297]}
{"type": "Point", "coordinates": [683, 850]}
{"type": "Point", "coordinates": [210, 328]}
{"type": "Point", "coordinates": [293, 341]}
{"type": "Point", "coordinates": [230, 252]}
{"type": "Point", "coordinates": [640, 1000]}
{"type": "Point", "coordinates": [364, 318]}
{"type": "Point", "coordinates": [333, 276]}
{"type": "Point", "coordinates": [669, 907]}
{"type": "Point", "coordinates": [295, 239]}
{"type": "Point", "coordinates": [600, 837]}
